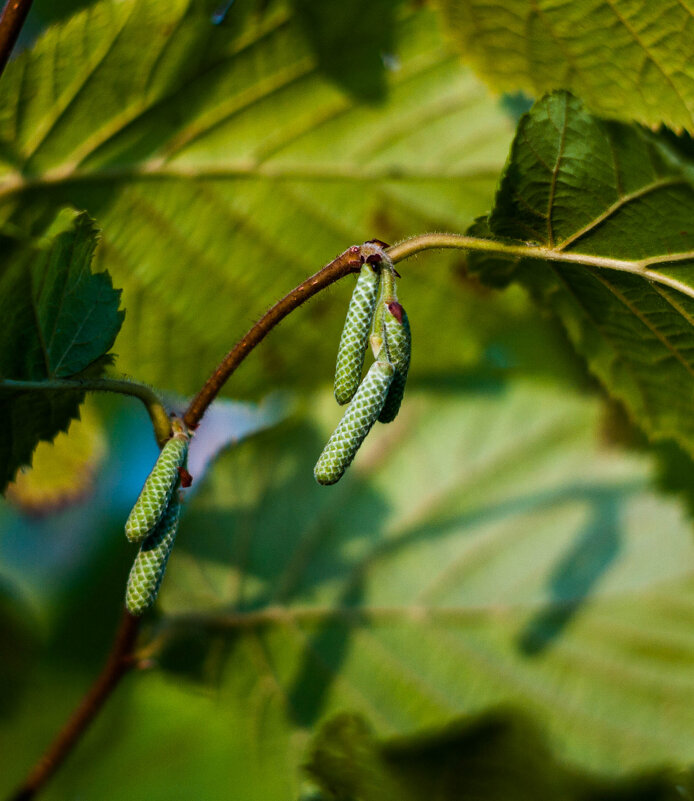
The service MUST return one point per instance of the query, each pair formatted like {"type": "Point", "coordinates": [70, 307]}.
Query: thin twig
{"type": "Point", "coordinates": [161, 422]}
{"type": "Point", "coordinates": [346, 263]}
{"type": "Point", "coordinates": [11, 20]}
{"type": "Point", "coordinates": [638, 267]}
{"type": "Point", "coordinates": [117, 664]}
{"type": "Point", "coordinates": [122, 656]}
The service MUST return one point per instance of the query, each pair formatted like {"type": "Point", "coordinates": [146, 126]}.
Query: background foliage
{"type": "Point", "coordinates": [626, 59]}
{"type": "Point", "coordinates": [501, 587]}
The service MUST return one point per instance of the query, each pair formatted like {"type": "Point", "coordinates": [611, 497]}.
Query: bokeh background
{"type": "Point", "coordinates": [500, 588]}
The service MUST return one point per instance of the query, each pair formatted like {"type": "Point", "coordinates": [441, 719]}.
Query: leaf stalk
{"type": "Point", "coordinates": [161, 422]}
{"type": "Point", "coordinates": [640, 267]}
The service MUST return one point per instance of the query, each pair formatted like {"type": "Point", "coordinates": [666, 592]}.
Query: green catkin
{"type": "Point", "coordinates": [376, 339]}
{"type": "Point", "coordinates": [398, 347]}
{"type": "Point", "coordinates": [351, 352]}
{"type": "Point", "coordinates": [150, 563]}
{"type": "Point", "coordinates": [356, 423]}
{"type": "Point", "coordinates": [159, 486]}
{"type": "Point", "coordinates": [387, 295]}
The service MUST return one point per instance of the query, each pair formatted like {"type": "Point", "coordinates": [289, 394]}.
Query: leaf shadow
{"type": "Point", "coordinates": [502, 753]}
{"type": "Point", "coordinates": [352, 42]}
{"type": "Point", "coordinates": [326, 557]}
{"type": "Point", "coordinates": [573, 578]}
{"type": "Point", "coordinates": [289, 556]}
{"type": "Point", "coordinates": [577, 572]}
{"type": "Point", "coordinates": [323, 655]}
{"type": "Point", "coordinates": [202, 655]}
{"type": "Point", "coordinates": [274, 544]}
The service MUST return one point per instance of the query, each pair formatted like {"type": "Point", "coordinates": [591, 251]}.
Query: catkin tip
{"type": "Point", "coordinates": [324, 480]}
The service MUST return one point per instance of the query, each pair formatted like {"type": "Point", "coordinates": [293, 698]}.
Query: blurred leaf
{"type": "Point", "coordinates": [227, 162]}
{"type": "Point", "coordinates": [487, 548]}
{"type": "Point", "coordinates": [44, 12]}
{"type": "Point", "coordinates": [226, 424]}
{"type": "Point", "coordinates": [583, 188]}
{"type": "Point", "coordinates": [516, 104]}
{"type": "Point", "coordinates": [60, 319]}
{"type": "Point", "coordinates": [500, 755]}
{"type": "Point", "coordinates": [62, 472]}
{"type": "Point", "coordinates": [18, 633]}
{"type": "Point", "coordinates": [625, 59]}
{"type": "Point", "coordinates": [358, 63]}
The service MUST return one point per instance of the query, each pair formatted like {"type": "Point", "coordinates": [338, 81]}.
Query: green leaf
{"type": "Point", "coordinates": [20, 633]}
{"type": "Point", "coordinates": [500, 755]}
{"type": "Point", "coordinates": [605, 211]}
{"type": "Point", "coordinates": [60, 319]}
{"type": "Point", "coordinates": [225, 163]}
{"type": "Point", "coordinates": [487, 548]}
{"type": "Point", "coordinates": [62, 472]}
{"type": "Point", "coordinates": [628, 60]}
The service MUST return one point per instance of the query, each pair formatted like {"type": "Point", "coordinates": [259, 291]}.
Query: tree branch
{"type": "Point", "coordinates": [346, 263]}
{"type": "Point", "coordinates": [13, 15]}
{"type": "Point", "coordinates": [122, 657]}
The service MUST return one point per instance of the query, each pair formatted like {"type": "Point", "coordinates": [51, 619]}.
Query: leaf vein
{"type": "Point", "coordinates": [555, 175]}
{"type": "Point", "coordinates": [77, 91]}
{"type": "Point", "coordinates": [622, 201]}
{"type": "Point", "coordinates": [649, 56]}
{"type": "Point", "coordinates": [647, 323]}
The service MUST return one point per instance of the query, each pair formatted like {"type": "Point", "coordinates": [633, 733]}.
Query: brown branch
{"type": "Point", "coordinates": [11, 20]}
{"type": "Point", "coordinates": [117, 664]}
{"type": "Point", "coordinates": [121, 658]}
{"type": "Point", "coordinates": [348, 262]}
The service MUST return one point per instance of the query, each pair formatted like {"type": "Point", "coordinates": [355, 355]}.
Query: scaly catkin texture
{"type": "Point", "coordinates": [355, 334]}
{"type": "Point", "coordinates": [356, 423]}
{"type": "Point", "coordinates": [158, 488]}
{"type": "Point", "coordinates": [398, 344]}
{"type": "Point", "coordinates": [150, 563]}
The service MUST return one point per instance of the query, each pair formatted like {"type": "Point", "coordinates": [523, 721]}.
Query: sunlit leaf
{"type": "Point", "coordinates": [225, 163]}
{"type": "Point", "coordinates": [626, 59]}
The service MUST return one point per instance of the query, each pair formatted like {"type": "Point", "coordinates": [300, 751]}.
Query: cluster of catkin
{"type": "Point", "coordinates": [153, 521]}
{"type": "Point", "coordinates": [374, 316]}
{"type": "Point", "coordinates": [373, 310]}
